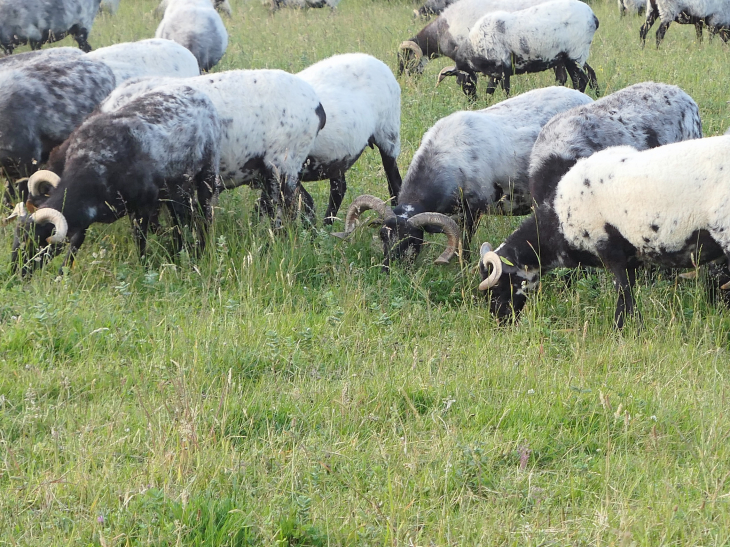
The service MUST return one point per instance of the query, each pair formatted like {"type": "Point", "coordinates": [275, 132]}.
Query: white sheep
{"type": "Point", "coordinates": [362, 100]}
{"type": "Point", "coordinates": [109, 6]}
{"type": "Point", "coordinates": [550, 34]}
{"type": "Point", "coordinates": [632, 7]}
{"type": "Point", "coordinates": [196, 25]}
{"type": "Point", "coordinates": [43, 21]}
{"type": "Point", "coordinates": [153, 57]}
{"type": "Point", "coordinates": [270, 120]}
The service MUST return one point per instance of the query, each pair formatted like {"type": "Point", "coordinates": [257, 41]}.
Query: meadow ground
{"type": "Point", "coordinates": [284, 391]}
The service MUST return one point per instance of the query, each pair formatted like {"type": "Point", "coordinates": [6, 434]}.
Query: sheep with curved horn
{"type": "Point", "coordinates": [467, 162]}
{"type": "Point", "coordinates": [164, 144]}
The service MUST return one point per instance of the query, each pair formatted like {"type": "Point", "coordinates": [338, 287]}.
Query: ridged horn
{"type": "Point", "coordinates": [725, 286]}
{"type": "Point", "coordinates": [490, 257]}
{"type": "Point", "coordinates": [414, 47]}
{"type": "Point", "coordinates": [448, 226]}
{"type": "Point", "coordinates": [45, 215]}
{"type": "Point", "coordinates": [359, 205]}
{"type": "Point", "coordinates": [689, 275]}
{"type": "Point", "coordinates": [38, 178]}
{"type": "Point", "coordinates": [446, 71]}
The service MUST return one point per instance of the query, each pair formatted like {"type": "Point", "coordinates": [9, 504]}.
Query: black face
{"type": "Point", "coordinates": [507, 297]}
{"type": "Point", "coordinates": [30, 249]}
{"type": "Point", "coordinates": [400, 240]}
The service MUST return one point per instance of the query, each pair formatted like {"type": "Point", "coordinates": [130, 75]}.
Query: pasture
{"type": "Point", "coordinates": [283, 390]}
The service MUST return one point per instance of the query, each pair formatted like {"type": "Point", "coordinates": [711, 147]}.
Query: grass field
{"type": "Point", "coordinates": [284, 391]}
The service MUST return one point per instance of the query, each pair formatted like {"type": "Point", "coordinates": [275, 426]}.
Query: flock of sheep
{"type": "Point", "coordinates": [618, 182]}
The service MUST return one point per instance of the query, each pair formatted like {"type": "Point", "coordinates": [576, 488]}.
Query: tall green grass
{"type": "Point", "coordinates": [282, 390]}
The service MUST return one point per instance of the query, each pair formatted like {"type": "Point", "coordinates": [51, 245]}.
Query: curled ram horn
{"type": "Point", "coordinates": [725, 286]}
{"type": "Point", "coordinates": [360, 205]}
{"type": "Point", "coordinates": [18, 212]}
{"type": "Point", "coordinates": [418, 63]}
{"type": "Point", "coordinates": [689, 275]}
{"type": "Point", "coordinates": [448, 227]}
{"type": "Point", "coordinates": [45, 215]}
{"type": "Point", "coordinates": [489, 257]}
{"type": "Point", "coordinates": [37, 179]}
{"type": "Point", "coordinates": [446, 71]}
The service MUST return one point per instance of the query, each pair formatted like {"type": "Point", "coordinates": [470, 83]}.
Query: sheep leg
{"type": "Point", "coordinates": [577, 76]}
{"type": "Point", "coordinates": [492, 85]}
{"type": "Point", "coordinates": [468, 83]}
{"type": "Point", "coordinates": [698, 29]}
{"type": "Point", "coordinates": [75, 242]}
{"type": "Point", "coordinates": [140, 224]}
{"type": "Point", "coordinates": [651, 17]}
{"type": "Point", "coordinates": [392, 174]}
{"type": "Point", "coordinates": [592, 79]}
{"type": "Point", "coordinates": [505, 84]}
{"type": "Point", "coordinates": [561, 76]}
{"type": "Point", "coordinates": [208, 188]}
{"type": "Point", "coordinates": [305, 205]}
{"type": "Point", "coordinates": [338, 187]}
{"type": "Point", "coordinates": [661, 31]}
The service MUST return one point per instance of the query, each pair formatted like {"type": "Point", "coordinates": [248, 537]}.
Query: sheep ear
{"type": "Point", "coordinates": [30, 207]}
{"type": "Point", "coordinates": [484, 249]}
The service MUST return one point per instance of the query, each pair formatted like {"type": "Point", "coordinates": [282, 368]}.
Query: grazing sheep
{"type": "Point", "coordinates": [362, 100]}
{"type": "Point", "coordinates": [713, 13]}
{"type": "Point", "coordinates": [153, 57]}
{"type": "Point", "coordinates": [467, 163]}
{"type": "Point", "coordinates": [550, 34]}
{"type": "Point", "coordinates": [45, 97]}
{"type": "Point", "coordinates": [644, 115]}
{"type": "Point", "coordinates": [42, 21]}
{"type": "Point", "coordinates": [447, 33]}
{"type": "Point", "coordinates": [195, 25]}
{"type": "Point", "coordinates": [618, 209]}
{"type": "Point", "coordinates": [270, 120]}
{"type": "Point", "coordinates": [163, 145]}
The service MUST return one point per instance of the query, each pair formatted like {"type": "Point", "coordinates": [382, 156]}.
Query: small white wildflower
{"type": "Point", "coordinates": [653, 418]}
{"type": "Point", "coordinates": [530, 391]}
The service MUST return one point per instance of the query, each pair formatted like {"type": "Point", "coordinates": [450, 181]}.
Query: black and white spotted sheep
{"type": "Point", "coordinates": [632, 7]}
{"type": "Point", "coordinates": [544, 36]}
{"type": "Point", "coordinates": [39, 22]}
{"type": "Point", "coordinates": [468, 162]}
{"type": "Point", "coordinates": [619, 209]}
{"type": "Point", "coordinates": [153, 57]}
{"type": "Point", "coordinates": [161, 146]}
{"type": "Point", "coordinates": [301, 4]}
{"type": "Point", "coordinates": [433, 7]}
{"type": "Point", "coordinates": [362, 100]}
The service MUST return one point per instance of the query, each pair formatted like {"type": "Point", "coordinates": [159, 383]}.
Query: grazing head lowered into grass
{"type": "Point", "coordinates": [618, 209]}
{"type": "Point", "coordinates": [362, 100]}
{"type": "Point", "coordinates": [548, 35]}
{"type": "Point", "coordinates": [467, 162]}
{"type": "Point", "coordinates": [162, 145]}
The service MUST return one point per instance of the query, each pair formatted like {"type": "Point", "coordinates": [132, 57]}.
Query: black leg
{"type": "Point", "coordinates": [661, 31]}
{"type": "Point", "coordinates": [577, 76]}
{"type": "Point", "coordinates": [492, 85]}
{"type": "Point", "coordinates": [505, 84]}
{"type": "Point", "coordinates": [650, 18]}
{"type": "Point", "coordinates": [207, 191]}
{"type": "Point", "coordinates": [304, 205]}
{"type": "Point", "coordinates": [592, 79]}
{"type": "Point", "coordinates": [698, 29]}
{"type": "Point", "coordinates": [140, 224]}
{"type": "Point", "coordinates": [624, 283]}
{"type": "Point", "coordinates": [338, 186]}
{"type": "Point", "coordinates": [561, 76]}
{"type": "Point", "coordinates": [392, 174]}
{"type": "Point", "coordinates": [468, 83]}
{"type": "Point", "coordinates": [75, 242]}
